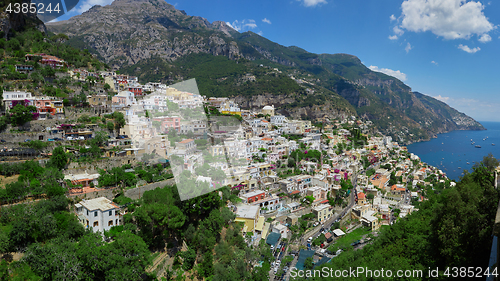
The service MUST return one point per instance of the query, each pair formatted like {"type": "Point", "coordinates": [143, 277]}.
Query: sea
{"type": "Point", "coordinates": [456, 151]}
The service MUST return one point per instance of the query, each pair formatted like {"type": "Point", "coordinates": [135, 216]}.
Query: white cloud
{"type": "Point", "coordinates": [443, 99]}
{"type": "Point", "coordinates": [312, 3]}
{"type": "Point", "coordinates": [398, 31]}
{"type": "Point", "coordinates": [260, 33]}
{"type": "Point", "coordinates": [408, 47]}
{"type": "Point", "coordinates": [392, 17]}
{"type": "Point", "coordinates": [86, 5]}
{"type": "Point", "coordinates": [394, 73]}
{"type": "Point", "coordinates": [450, 19]}
{"type": "Point", "coordinates": [433, 62]}
{"type": "Point", "coordinates": [242, 26]}
{"type": "Point", "coordinates": [266, 21]}
{"type": "Point", "coordinates": [484, 38]}
{"type": "Point", "coordinates": [467, 49]}
{"type": "Point", "coordinates": [230, 25]}
{"type": "Point", "coordinates": [393, 37]}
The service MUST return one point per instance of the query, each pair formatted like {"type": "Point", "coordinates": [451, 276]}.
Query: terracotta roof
{"type": "Point", "coordinates": [267, 139]}
{"type": "Point", "coordinates": [295, 192]}
{"type": "Point", "coordinates": [361, 195]}
{"type": "Point", "coordinates": [186, 141]}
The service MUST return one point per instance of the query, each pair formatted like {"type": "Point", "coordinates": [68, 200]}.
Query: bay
{"type": "Point", "coordinates": [454, 152]}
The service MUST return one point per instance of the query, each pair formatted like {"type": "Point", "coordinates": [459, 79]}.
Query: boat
{"type": "Point", "coordinates": [468, 163]}
{"type": "Point", "coordinates": [493, 144]}
{"type": "Point", "coordinates": [478, 146]}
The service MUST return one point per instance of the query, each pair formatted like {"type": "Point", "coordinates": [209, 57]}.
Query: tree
{"type": "Point", "coordinates": [119, 120]}
{"type": "Point", "coordinates": [21, 114]}
{"type": "Point", "coordinates": [107, 87]}
{"type": "Point", "coordinates": [110, 126]}
{"type": "Point", "coordinates": [370, 197]}
{"type": "Point", "coordinates": [4, 121]}
{"type": "Point", "coordinates": [59, 159]}
{"type": "Point", "coordinates": [309, 263]}
{"type": "Point", "coordinates": [490, 162]}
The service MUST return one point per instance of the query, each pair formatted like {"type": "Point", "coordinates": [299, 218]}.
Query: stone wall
{"type": "Point", "coordinates": [134, 193]}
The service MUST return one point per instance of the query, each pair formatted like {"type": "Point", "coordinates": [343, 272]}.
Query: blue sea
{"type": "Point", "coordinates": [453, 152]}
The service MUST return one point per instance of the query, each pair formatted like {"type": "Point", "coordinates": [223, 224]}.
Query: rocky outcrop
{"type": "Point", "coordinates": [17, 21]}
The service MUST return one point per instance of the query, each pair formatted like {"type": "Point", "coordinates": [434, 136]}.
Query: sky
{"type": "Point", "coordinates": [447, 49]}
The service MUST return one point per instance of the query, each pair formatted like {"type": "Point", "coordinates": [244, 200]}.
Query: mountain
{"type": "Point", "coordinates": [156, 42]}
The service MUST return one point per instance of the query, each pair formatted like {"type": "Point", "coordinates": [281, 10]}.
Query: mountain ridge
{"type": "Point", "coordinates": [149, 39]}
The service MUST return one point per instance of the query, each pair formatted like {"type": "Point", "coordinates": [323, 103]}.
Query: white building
{"type": "Point", "coordinates": [100, 214]}
{"type": "Point", "coordinates": [11, 97]}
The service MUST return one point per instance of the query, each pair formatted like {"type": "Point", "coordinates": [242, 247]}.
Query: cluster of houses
{"type": "Point", "coordinates": [259, 143]}
{"type": "Point", "coordinates": [249, 150]}
{"type": "Point", "coordinates": [47, 107]}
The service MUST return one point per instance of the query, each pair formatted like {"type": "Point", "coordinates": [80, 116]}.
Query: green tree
{"type": "Point", "coordinates": [21, 114]}
{"type": "Point", "coordinates": [110, 126]}
{"type": "Point", "coordinates": [490, 162]}
{"type": "Point", "coordinates": [308, 263]}
{"type": "Point", "coordinates": [59, 159]}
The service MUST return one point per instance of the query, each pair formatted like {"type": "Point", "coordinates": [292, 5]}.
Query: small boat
{"type": "Point", "coordinates": [460, 167]}
{"type": "Point", "coordinates": [468, 163]}
{"type": "Point", "coordinates": [493, 144]}
{"type": "Point", "coordinates": [478, 146]}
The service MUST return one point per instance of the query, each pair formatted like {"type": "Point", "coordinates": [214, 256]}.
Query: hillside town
{"type": "Point", "coordinates": [309, 189]}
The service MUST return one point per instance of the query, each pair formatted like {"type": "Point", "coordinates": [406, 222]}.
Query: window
{"type": "Point", "coordinates": [96, 223]}
{"type": "Point", "coordinates": [110, 213]}
{"type": "Point", "coordinates": [87, 212]}
{"type": "Point", "coordinates": [110, 223]}
{"type": "Point", "coordinates": [95, 214]}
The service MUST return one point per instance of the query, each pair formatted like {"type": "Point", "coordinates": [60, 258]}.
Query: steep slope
{"type": "Point", "coordinates": [156, 42]}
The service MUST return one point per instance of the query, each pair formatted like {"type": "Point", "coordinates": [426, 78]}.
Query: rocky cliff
{"type": "Point", "coordinates": [156, 42]}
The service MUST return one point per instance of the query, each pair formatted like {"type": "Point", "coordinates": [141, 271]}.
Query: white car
{"type": "Point", "coordinates": [70, 138]}
{"type": "Point", "coordinates": [81, 138]}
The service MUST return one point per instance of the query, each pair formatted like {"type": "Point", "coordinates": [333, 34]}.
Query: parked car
{"type": "Point", "coordinates": [58, 139]}
{"type": "Point", "coordinates": [70, 138]}
{"type": "Point", "coordinates": [51, 140]}
{"type": "Point", "coordinates": [81, 138]}
{"type": "Point", "coordinates": [27, 140]}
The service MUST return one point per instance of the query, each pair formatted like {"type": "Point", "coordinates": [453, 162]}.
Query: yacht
{"type": "Point", "coordinates": [493, 144]}
{"type": "Point", "coordinates": [478, 146]}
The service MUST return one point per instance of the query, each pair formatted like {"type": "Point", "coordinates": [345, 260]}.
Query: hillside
{"type": "Point", "coordinates": [156, 42]}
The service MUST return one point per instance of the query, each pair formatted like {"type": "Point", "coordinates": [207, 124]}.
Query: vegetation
{"type": "Point", "coordinates": [452, 228]}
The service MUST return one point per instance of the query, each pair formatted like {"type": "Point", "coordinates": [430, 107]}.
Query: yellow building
{"type": "Point", "coordinates": [230, 108]}
{"type": "Point", "coordinates": [323, 212]}
{"type": "Point", "coordinates": [248, 215]}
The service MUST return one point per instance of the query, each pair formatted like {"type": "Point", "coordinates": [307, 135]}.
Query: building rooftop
{"type": "Point", "coordinates": [321, 207]}
{"type": "Point", "coordinates": [101, 203]}
{"type": "Point", "coordinates": [186, 141]}
{"type": "Point", "coordinates": [252, 193]}
{"type": "Point", "coordinates": [247, 211]}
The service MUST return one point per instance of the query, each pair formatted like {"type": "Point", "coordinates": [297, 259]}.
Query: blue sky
{"type": "Point", "coordinates": [448, 49]}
